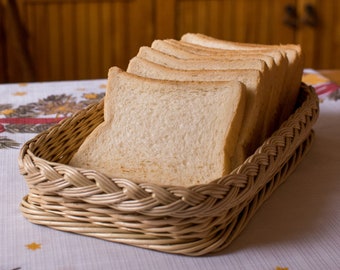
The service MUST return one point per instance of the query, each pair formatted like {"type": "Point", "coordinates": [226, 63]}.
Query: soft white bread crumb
{"type": "Point", "coordinates": [257, 84]}
{"type": "Point", "coordinates": [164, 132]}
{"type": "Point", "coordinates": [276, 67]}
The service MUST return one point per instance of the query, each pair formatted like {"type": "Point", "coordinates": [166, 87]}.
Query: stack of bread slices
{"type": "Point", "coordinates": [189, 111]}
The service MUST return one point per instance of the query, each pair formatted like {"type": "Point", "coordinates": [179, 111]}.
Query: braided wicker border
{"type": "Point", "coordinates": [192, 221]}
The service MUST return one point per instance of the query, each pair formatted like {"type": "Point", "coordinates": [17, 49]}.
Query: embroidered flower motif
{"type": "Point", "coordinates": [26, 118]}
{"type": "Point", "coordinates": [314, 78]}
{"type": "Point", "coordinates": [27, 110]}
{"type": "Point", "coordinates": [61, 105]}
{"type": "Point", "coordinates": [91, 96]}
{"type": "Point", "coordinates": [33, 246]}
{"type": "Point", "coordinates": [27, 128]}
{"type": "Point", "coordinates": [6, 109]}
{"type": "Point", "coordinates": [8, 143]}
{"type": "Point", "coordinates": [7, 112]}
{"type": "Point", "coordinates": [335, 95]}
{"type": "Point", "coordinates": [20, 93]}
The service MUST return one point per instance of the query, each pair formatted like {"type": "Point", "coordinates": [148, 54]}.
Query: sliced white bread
{"type": "Point", "coordinates": [276, 61]}
{"type": "Point", "coordinates": [255, 80]}
{"type": "Point", "coordinates": [292, 51]}
{"type": "Point", "coordinates": [233, 60]}
{"type": "Point", "coordinates": [195, 62]}
{"type": "Point", "coordinates": [186, 50]}
{"type": "Point", "coordinates": [164, 132]}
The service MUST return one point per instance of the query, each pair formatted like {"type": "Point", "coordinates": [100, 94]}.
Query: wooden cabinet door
{"type": "Point", "coordinates": [3, 60]}
{"type": "Point", "coordinates": [319, 32]}
{"type": "Point", "coordinates": [260, 21]}
{"type": "Point", "coordinates": [81, 39]}
{"type": "Point", "coordinates": [15, 61]}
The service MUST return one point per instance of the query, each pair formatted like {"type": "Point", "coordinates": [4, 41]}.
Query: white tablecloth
{"type": "Point", "coordinates": [298, 228]}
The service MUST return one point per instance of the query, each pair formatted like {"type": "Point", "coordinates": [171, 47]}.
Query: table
{"type": "Point", "coordinates": [297, 228]}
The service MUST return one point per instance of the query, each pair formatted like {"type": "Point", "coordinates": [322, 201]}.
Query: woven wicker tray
{"type": "Point", "coordinates": [191, 221]}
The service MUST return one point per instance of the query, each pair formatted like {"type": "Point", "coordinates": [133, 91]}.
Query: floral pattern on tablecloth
{"type": "Point", "coordinates": [44, 112]}
{"type": "Point", "coordinates": [324, 87]}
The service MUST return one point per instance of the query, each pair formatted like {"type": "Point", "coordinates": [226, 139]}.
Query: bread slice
{"type": "Point", "coordinates": [232, 60]}
{"type": "Point", "coordinates": [276, 61]}
{"type": "Point", "coordinates": [255, 80]}
{"type": "Point", "coordinates": [186, 50]}
{"type": "Point", "coordinates": [164, 132]}
{"type": "Point", "coordinates": [235, 61]}
{"type": "Point", "coordinates": [292, 51]}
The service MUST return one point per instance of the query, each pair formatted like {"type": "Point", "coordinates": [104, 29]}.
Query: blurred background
{"type": "Point", "coordinates": [48, 40]}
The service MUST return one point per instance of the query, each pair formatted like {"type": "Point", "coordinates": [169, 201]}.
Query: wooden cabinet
{"type": "Point", "coordinates": [238, 20]}
{"type": "Point", "coordinates": [2, 46]}
{"type": "Point", "coordinates": [315, 24]}
{"type": "Point", "coordinates": [321, 42]}
{"type": "Point", "coordinates": [80, 39]}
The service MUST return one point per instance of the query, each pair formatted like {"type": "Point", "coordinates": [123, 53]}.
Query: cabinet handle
{"type": "Point", "coordinates": [310, 16]}
{"type": "Point", "coordinates": [291, 16]}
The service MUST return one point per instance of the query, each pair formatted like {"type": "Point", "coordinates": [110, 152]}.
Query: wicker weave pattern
{"type": "Point", "coordinates": [191, 221]}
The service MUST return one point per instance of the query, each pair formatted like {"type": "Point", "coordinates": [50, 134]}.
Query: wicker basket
{"type": "Point", "coordinates": [191, 221]}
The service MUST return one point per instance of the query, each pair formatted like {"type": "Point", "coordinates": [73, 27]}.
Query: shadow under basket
{"type": "Point", "coordinates": [191, 221]}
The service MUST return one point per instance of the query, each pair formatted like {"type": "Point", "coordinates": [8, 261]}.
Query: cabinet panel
{"type": "Point", "coordinates": [16, 61]}
{"type": "Point", "coordinates": [3, 60]}
{"type": "Point", "coordinates": [264, 21]}
{"type": "Point", "coordinates": [81, 39]}
{"type": "Point", "coordinates": [237, 20]}
{"type": "Point", "coordinates": [321, 41]}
